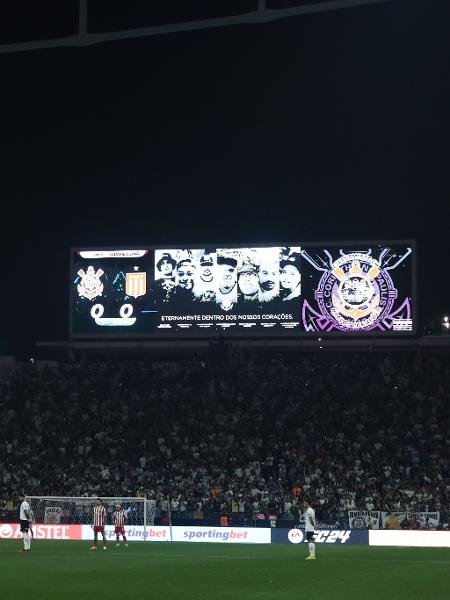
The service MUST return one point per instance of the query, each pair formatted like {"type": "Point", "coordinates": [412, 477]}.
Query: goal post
{"type": "Point", "coordinates": [77, 510]}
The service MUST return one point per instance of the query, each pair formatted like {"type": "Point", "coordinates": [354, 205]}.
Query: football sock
{"type": "Point", "coordinates": [26, 540]}
{"type": "Point", "coordinates": [312, 548]}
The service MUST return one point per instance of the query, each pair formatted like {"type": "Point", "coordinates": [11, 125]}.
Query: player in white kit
{"type": "Point", "coordinates": [25, 519]}
{"type": "Point", "coordinates": [310, 525]}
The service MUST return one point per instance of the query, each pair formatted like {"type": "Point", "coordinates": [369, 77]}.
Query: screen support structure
{"type": "Point", "coordinates": [260, 15]}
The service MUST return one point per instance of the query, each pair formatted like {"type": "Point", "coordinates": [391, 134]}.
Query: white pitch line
{"type": "Point", "coordinates": [205, 556]}
{"type": "Point", "coordinates": [419, 562]}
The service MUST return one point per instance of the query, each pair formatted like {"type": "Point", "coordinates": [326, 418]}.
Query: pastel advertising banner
{"type": "Point", "coordinates": [218, 535]}
{"type": "Point", "coordinates": [222, 535]}
{"type": "Point", "coordinates": [322, 536]}
{"type": "Point", "coordinates": [42, 532]}
{"type": "Point", "coordinates": [156, 533]}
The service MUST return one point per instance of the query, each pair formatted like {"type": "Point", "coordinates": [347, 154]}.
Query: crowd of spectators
{"type": "Point", "coordinates": [352, 431]}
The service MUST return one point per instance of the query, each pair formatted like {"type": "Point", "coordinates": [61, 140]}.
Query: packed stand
{"type": "Point", "coordinates": [352, 431]}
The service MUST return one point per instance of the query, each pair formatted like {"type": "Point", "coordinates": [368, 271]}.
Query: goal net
{"type": "Point", "coordinates": [66, 510]}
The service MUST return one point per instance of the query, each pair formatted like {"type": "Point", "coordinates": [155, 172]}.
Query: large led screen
{"type": "Point", "coordinates": [310, 289]}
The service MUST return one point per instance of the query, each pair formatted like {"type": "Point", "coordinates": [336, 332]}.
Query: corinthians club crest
{"type": "Point", "coordinates": [90, 285]}
{"type": "Point", "coordinates": [355, 292]}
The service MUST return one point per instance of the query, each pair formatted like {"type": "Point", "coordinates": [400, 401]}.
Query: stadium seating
{"type": "Point", "coordinates": [366, 431]}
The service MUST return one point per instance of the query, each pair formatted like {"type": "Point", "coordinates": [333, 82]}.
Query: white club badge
{"type": "Point", "coordinates": [90, 285]}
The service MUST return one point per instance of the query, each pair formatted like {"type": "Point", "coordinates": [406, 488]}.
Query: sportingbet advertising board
{"type": "Point", "coordinates": [154, 533]}
{"type": "Point", "coordinates": [222, 535]}
{"type": "Point", "coordinates": [162, 533]}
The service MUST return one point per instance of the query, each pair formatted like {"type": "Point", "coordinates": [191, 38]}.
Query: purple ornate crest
{"type": "Point", "coordinates": [355, 293]}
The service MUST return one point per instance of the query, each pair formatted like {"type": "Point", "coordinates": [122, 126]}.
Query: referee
{"type": "Point", "coordinates": [25, 520]}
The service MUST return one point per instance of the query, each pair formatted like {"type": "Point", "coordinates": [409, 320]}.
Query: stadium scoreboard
{"type": "Point", "coordinates": [351, 288]}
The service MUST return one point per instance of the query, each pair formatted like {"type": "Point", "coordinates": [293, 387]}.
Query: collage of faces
{"type": "Point", "coordinates": [227, 277]}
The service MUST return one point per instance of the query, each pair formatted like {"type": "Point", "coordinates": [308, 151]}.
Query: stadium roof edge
{"type": "Point", "coordinates": [203, 345]}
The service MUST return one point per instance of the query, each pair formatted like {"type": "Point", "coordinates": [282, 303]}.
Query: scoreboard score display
{"type": "Point", "coordinates": [363, 288]}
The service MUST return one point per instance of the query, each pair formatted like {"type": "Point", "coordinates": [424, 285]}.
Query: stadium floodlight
{"type": "Point", "coordinates": [261, 14]}
{"type": "Point", "coordinates": [446, 323]}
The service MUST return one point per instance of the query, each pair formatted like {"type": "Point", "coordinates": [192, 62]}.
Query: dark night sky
{"type": "Point", "coordinates": [331, 126]}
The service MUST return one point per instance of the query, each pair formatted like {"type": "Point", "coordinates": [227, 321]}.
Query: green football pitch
{"type": "Point", "coordinates": [57, 570]}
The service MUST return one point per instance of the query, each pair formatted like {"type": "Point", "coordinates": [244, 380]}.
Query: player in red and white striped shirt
{"type": "Point", "coordinates": [119, 519]}
{"type": "Point", "coordinates": [98, 523]}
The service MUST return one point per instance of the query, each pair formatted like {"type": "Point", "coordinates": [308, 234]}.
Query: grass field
{"type": "Point", "coordinates": [56, 570]}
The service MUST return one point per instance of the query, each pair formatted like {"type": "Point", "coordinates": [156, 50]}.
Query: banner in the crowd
{"type": "Point", "coordinates": [426, 520]}
{"type": "Point", "coordinates": [416, 520]}
{"type": "Point", "coordinates": [364, 519]}
{"type": "Point", "coordinates": [52, 514]}
{"type": "Point", "coordinates": [392, 519]}
{"type": "Point", "coordinates": [42, 532]}
{"type": "Point", "coordinates": [410, 538]}
{"type": "Point", "coordinates": [322, 536]}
